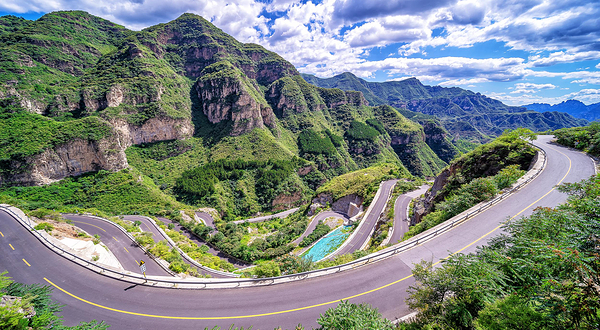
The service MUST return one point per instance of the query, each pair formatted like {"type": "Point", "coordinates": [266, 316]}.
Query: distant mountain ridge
{"type": "Point", "coordinates": [464, 113]}
{"type": "Point", "coordinates": [575, 108]}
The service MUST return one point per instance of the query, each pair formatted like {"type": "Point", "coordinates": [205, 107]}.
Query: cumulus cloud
{"type": "Point", "coordinates": [333, 36]}
{"type": "Point", "coordinates": [534, 86]}
{"type": "Point", "coordinates": [462, 13]}
{"type": "Point", "coordinates": [386, 31]}
{"type": "Point", "coordinates": [351, 11]}
{"type": "Point", "coordinates": [470, 82]}
{"type": "Point", "coordinates": [563, 57]}
{"type": "Point", "coordinates": [241, 18]}
{"type": "Point", "coordinates": [435, 69]}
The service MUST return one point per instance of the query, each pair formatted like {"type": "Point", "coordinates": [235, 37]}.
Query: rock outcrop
{"type": "Point", "coordinates": [424, 205]}
{"type": "Point", "coordinates": [152, 130]}
{"type": "Point", "coordinates": [227, 94]}
{"type": "Point", "coordinates": [81, 156]}
{"type": "Point", "coordinates": [69, 159]}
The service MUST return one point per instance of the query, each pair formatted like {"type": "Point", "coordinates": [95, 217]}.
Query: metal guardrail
{"type": "Point", "coordinates": [253, 282]}
{"type": "Point", "coordinates": [153, 257]}
{"type": "Point", "coordinates": [185, 255]}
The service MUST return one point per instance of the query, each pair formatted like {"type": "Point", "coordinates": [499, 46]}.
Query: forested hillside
{"type": "Point", "coordinates": [200, 117]}
{"type": "Point", "coordinates": [463, 113]}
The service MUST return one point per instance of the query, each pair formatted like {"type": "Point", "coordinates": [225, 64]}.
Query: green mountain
{"type": "Point", "coordinates": [209, 119]}
{"type": "Point", "coordinates": [463, 113]}
{"type": "Point", "coordinates": [575, 108]}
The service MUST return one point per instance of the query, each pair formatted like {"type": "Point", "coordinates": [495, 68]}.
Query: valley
{"type": "Point", "coordinates": [222, 165]}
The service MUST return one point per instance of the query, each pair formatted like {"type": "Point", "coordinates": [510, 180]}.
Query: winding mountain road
{"type": "Point", "coordinates": [88, 295]}
{"type": "Point", "coordinates": [401, 221]}
{"type": "Point", "coordinates": [127, 252]}
{"type": "Point", "coordinates": [362, 234]}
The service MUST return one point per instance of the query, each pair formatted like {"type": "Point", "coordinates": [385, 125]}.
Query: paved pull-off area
{"type": "Point", "coordinates": [88, 295]}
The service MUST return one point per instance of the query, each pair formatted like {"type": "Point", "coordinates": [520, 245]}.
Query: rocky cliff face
{"type": "Point", "coordinates": [70, 159]}
{"type": "Point", "coordinates": [228, 95]}
{"type": "Point", "coordinates": [81, 156]}
{"type": "Point", "coordinates": [424, 206]}
{"type": "Point", "coordinates": [153, 130]}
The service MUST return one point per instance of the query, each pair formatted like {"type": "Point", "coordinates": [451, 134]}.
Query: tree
{"type": "Point", "coordinates": [267, 269]}
{"type": "Point", "coordinates": [347, 316]}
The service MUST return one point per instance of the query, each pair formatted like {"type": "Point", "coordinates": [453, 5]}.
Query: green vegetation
{"type": "Point", "coordinates": [235, 239]}
{"type": "Point", "coordinates": [411, 148]}
{"type": "Point", "coordinates": [541, 274]}
{"type": "Point", "coordinates": [44, 226]}
{"type": "Point", "coordinates": [468, 195]}
{"type": "Point", "coordinates": [24, 134]}
{"type": "Point", "coordinates": [460, 111]}
{"type": "Point", "coordinates": [198, 253]}
{"type": "Point", "coordinates": [320, 230]}
{"type": "Point", "coordinates": [349, 316]}
{"type": "Point", "coordinates": [312, 142]}
{"type": "Point", "coordinates": [362, 182]}
{"type": "Point", "coordinates": [361, 131]}
{"type": "Point", "coordinates": [266, 269]}
{"type": "Point", "coordinates": [30, 299]}
{"type": "Point", "coordinates": [254, 184]}
{"type": "Point", "coordinates": [124, 192]}
{"type": "Point", "coordinates": [583, 138]}
{"type": "Point", "coordinates": [488, 159]}
{"type": "Point", "coordinates": [293, 264]}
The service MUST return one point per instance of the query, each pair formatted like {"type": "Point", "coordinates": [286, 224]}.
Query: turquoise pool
{"type": "Point", "coordinates": [328, 244]}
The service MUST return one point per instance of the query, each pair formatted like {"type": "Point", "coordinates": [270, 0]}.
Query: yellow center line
{"type": "Point", "coordinates": [1, 234]}
{"type": "Point", "coordinates": [126, 249]}
{"type": "Point", "coordinates": [11, 246]}
{"type": "Point", "coordinates": [305, 307]}
{"type": "Point", "coordinates": [89, 224]}
{"type": "Point", "coordinates": [115, 238]}
{"type": "Point", "coordinates": [25, 261]}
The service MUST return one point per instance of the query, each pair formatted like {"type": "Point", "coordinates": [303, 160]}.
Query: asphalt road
{"type": "Point", "coordinates": [401, 221]}
{"type": "Point", "coordinates": [178, 227]}
{"type": "Point", "coordinates": [282, 214]}
{"type": "Point", "coordinates": [207, 218]}
{"type": "Point", "coordinates": [127, 252]}
{"type": "Point", "coordinates": [315, 221]}
{"type": "Point", "coordinates": [363, 233]}
{"type": "Point", "coordinates": [381, 284]}
{"type": "Point", "coordinates": [146, 226]}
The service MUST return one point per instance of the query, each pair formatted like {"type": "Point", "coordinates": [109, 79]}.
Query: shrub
{"type": "Point", "coordinates": [361, 131]}
{"type": "Point", "coordinates": [44, 226]}
{"type": "Point", "coordinates": [320, 230]}
{"type": "Point", "coordinates": [293, 264]}
{"type": "Point", "coordinates": [144, 239]}
{"type": "Point", "coordinates": [267, 269]}
{"type": "Point", "coordinates": [507, 176]}
{"type": "Point", "coordinates": [312, 142]}
{"type": "Point", "coordinates": [179, 266]}
{"type": "Point", "coordinates": [349, 316]}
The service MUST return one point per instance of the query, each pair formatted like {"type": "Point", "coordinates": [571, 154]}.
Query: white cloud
{"type": "Point", "coordinates": [389, 30]}
{"type": "Point", "coordinates": [434, 69]}
{"type": "Point", "coordinates": [534, 86]}
{"type": "Point", "coordinates": [464, 82]}
{"type": "Point", "coordinates": [308, 34]}
{"type": "Point", "coordinates": [240, 18]}
{"type": "Point", "coordinates": [563, 57]}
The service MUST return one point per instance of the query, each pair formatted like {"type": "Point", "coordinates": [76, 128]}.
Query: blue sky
{"type": "Point", "coordinates": [517, 51]}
